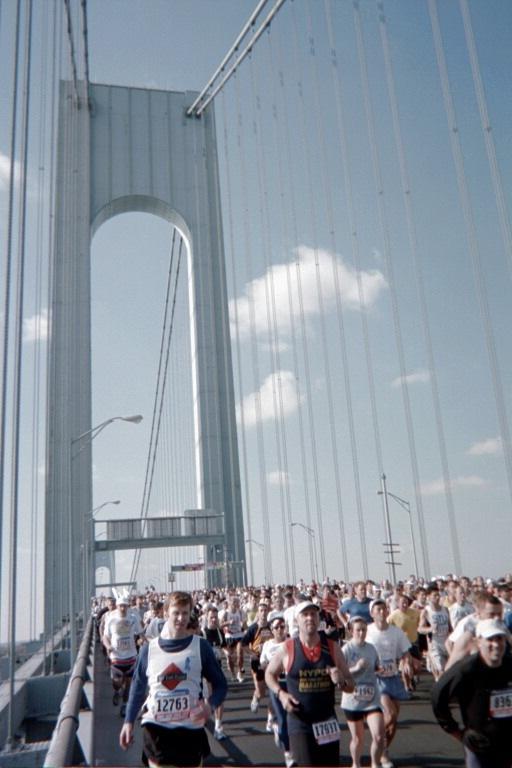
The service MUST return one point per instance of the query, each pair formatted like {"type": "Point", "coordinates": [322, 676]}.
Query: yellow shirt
{"type": "Point", "coordinates": [406, 621]}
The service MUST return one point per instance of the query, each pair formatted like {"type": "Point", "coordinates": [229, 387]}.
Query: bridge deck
{"type": "Point", "coordinates": [419, 741]}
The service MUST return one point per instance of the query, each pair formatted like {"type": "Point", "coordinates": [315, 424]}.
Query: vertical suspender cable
{"type": "Point", "coordinates": [54, 81]}
{"type": "Point", "coordinates": [473, 247]}
{"type": "Point", "coordinates": [323, 333]}
{"type": "Point", "coordinates": [36, 397]}
{"type": "Point", "coordinates": [342, 130]}
{"type": "Point", "coordinates": [289, 278]}
{"type": "Point", "coordinates": [407, 194]}
{"type": "Point", "coordinates": [384, 226]}
{"type": "Point", "coordinates": [339, 309]}
{"type": "Point", "coordinates": [270, 301]}
{"type": "Point", "coordinates": [159, 391]}
{"type": "Point", "coordinates": [8, 271]}
{"type": "Point", "coordinates": [254, 354]}
{"type": "Point", "coordinates": [20, 280]}
{"type": "Point", "coordinates": [239, 377]}
{"type": "Point", "coordinates": [487, 132]}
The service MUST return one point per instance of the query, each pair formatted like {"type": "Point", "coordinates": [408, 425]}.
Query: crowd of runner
{"type": "Point", "coordinates": [171, 657]}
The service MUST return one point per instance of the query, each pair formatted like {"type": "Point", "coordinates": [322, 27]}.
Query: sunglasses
{"type": "Point", "coordinates": [278, 626]}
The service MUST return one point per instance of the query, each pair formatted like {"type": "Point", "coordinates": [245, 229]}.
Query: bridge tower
{"type": "Point", "coordinates": [136, 151]}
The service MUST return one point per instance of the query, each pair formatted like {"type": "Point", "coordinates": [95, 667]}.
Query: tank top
{"type": "Point", "coordinates": [175, 685]}
{"type": "Point", "coordinates": [309, 682]}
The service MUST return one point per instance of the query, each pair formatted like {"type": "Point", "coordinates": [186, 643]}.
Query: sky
{"type": "Point", "coordinates": [359, 307]}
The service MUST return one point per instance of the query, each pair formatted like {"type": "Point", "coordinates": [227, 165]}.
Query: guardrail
{"type": "Point", "coordinates": [63, 742]}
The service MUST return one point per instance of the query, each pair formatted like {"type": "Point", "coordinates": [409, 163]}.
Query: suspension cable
{"type": "Point", "coordinates": [289, 281]}
{"type": "Point", "coordinates": [254, 354]}
{"type": "Point", "coordinates": [270, 302]}
{"type": "Point", "coordinates": [200, 104]}
{"type": "Point", "coordinates": [72, 54]}
{"type": "Point", "coordinates": [487, 132]}
{"type": "Point", "coordinates": [473, 246]}
{"type": "Point", "coordinates": [167, 330]}
{"type": "Point", "coordinates": [239, 376]}
{"type": "Point", "coordinates": [8, 269]}
{"type": "Point", "coordinates": [17, 372]}
{"type": "Point", "coordinates": [386, 239]}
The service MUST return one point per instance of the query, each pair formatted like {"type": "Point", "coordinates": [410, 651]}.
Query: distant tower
{"type": "Point", "coordinates": [137, 151]}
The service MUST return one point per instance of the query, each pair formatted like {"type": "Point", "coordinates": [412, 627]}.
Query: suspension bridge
{"type": "Point", "coordinates": [262, 252]}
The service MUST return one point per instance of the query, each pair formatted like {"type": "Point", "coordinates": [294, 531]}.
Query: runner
{"type": "Point", "coordinates": [482, 686]}
{"type": "Point", "coordinates": [254, 638]}
{"type": "Point", "coordinates": [407, 619]}
{"type": "Point", "coordinates": [175, 709]}
{"type": "Point", "coordinates": [461, 607]}
{"type": "Point", "coordinates": [270, 648]}
{"type": "Point", "coordinates": [358, 605]}
{"type": "Point", "coordinates": [313, 665]}
{"type": "Point", "coordinates": [215, 637]}
{"type": "Point", "coordinates": [393, 648]}
{"type": "Point", "coordinates": [364, 703]}
{"type": "Point", "coordinates": [232, 623]}
{"type": "Point", "coordinates": [122, 629]}
{"type": "Point", "coordinates": [462, 641]}
{"type": "Point", "coordinates": [435, 624]}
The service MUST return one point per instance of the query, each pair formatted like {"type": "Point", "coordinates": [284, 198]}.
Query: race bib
{"type": "Point", "coordinates": [327, 731]}
{"type": "Point", "coordinates": [388, 668]}
{"type": "Point", "coordinates": [500, 704]}
{"type": "Point", "coordinates": [124, 644]}
{"type": "Point", "coordinates": [364, 692]}
{"type": "Point", "coordinates": [171, 707]}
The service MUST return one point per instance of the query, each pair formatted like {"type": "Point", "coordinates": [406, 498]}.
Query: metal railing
{"type": "Point", "coordinates": [63, 742]}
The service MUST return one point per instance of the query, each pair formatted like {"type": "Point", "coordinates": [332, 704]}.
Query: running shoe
{"type": "Point", "coordinates": [288, 760]}
{"type": "Point", "coordinates": [385, 762]}
{"type": "Point", "coordinates": [240, 677]}
{"type": "Point", "coordinates": [122, 711]}
{"type": "Point", "coordinates": [219, 734]}
{"type": "Point", "coordinates": [255, 704]}
{"type": "Point", "coordinates": [116, 698]}
{"type": "Point", "coordinates": [270, 725]}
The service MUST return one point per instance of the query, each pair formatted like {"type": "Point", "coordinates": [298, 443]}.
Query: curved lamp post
{"type": "Point", "coordinates": [82, 441]}
{"type": "Point", "coordinates": [311, 533]}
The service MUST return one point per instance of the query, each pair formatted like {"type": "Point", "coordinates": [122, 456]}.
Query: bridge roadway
{"type": "Point", "coordinates": [419, 741]}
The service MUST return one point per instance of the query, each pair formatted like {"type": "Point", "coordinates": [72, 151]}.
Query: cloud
{"type": "Point", "coordinates": [278, 477]}
{"type": "Point", "coordinates": [5, 170]}
{"type": "Point", "coordinates": [490, 447]}
{"type": "Point", "coordinates": [283, 281]}
{"type": "Point", "coordinates": [265, 394]}
{"type": "Point", "coordinates": [35, 328]}
{"type": "Point", "coordinates": [416, 377]}
{"type": "Point", "coordinates": [437, 487]}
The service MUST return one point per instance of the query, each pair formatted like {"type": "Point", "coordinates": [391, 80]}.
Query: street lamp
{"type": "Point", "coordinates": [262, 548]}
{"type": "Point", "coordinates": [311, 533]}
{"type": "Point", "coordinates": [407, 506]}
{"type": "Point", "coordinates": [90, 564]}
{"type": "Point", "coordinates": [97, 509]}
{"type": "Point", "coordinates": [389, 543]}
{"type": "Point", "coordinates": [257, 543]}
{"type": "Point", "coordinates": [86, 438]}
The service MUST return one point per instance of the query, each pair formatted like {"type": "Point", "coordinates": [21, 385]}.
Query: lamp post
{"type": "Point", "coordinates": [389, 543]}
{"type": "Point", "coordinates": [90, 562]}
{"type": "Point", "coordinates": [407, 506]}
{"type": "Point", "coordinates": [311, 533]}
{"type": "Point", "coordinates": [80, 442]}
{"type": "Point", "coordinates": [262, 548]}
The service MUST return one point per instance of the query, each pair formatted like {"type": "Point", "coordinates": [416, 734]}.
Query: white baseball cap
{"type": "Point", "coordinates": [490, 628]}
{"type": "Point", "coordinates": [304, 605]}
